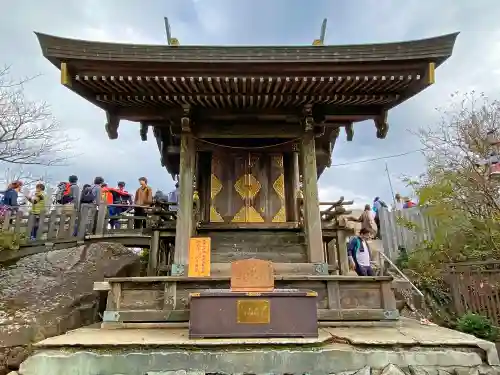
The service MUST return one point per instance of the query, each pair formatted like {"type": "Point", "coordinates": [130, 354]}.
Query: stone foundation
{"type": "Point", "coordinates": [407, 348]}
{"type": "Point", "coordinates": [335, 359]}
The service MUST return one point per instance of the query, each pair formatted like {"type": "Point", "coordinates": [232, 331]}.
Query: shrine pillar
{"type": "Point", "coordinates": [184, 222]}
{"type": "Point", "coordinates": [295, 184]}
{"type": "Point", "coordinates": [312, 220]}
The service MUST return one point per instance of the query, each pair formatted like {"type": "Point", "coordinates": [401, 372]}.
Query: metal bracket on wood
{"type": "Point", "coordinates": [49, 245]}
{"type": "Point", "coordinates": [391, 314]}
{"type": "Point", "coordinates": [178, 270]}
{"type": "Point", "coordinates": [111, 316]}
{"type": "Point", "coordinates": [308, 118]}
{"type": "Point", "coordinates": [186, 119]}
{"type": "Point", "coordinates": [321, 269]}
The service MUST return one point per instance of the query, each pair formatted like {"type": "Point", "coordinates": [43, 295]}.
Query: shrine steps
{"type": "Point", "coordinates": [276, 245]}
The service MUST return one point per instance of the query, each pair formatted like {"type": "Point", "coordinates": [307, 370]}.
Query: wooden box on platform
{"type": "Point", "coordinates": [280, 313]}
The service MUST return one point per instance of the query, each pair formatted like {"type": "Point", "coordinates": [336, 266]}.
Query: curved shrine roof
{"type": "Point", "coordinates": [436, 49]}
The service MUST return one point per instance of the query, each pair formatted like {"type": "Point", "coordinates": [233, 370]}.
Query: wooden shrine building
{"type": "Point", "coordinates": [247, 127]}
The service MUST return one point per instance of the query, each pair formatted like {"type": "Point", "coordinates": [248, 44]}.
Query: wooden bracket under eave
{"type": "Point", "coordinates": [382, 125]}
{"type": "Point", "coordinates": [112, 123]}
{"type": "Point", "coordinates": [349, 131]}
{"type": "Point", "coordinates": [144, 131]}
{"type": "Point", "coordinates": [65, 76]}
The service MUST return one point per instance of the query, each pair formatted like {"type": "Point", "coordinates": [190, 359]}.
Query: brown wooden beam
{"type": "Point", "coordinates": [221, 69]}
{"type": "Point", "coordinates": [332, 112]}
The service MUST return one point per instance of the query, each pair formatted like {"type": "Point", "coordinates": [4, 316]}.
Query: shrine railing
{"type": "Point", "coordinates": [63, 222]}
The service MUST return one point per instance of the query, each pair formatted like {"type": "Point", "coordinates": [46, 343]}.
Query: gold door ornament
{"type": "Point", "coordinates": [279, 188]}
{"type": "Point", "coordinates": [247, 186]}
{"type": "Point", "coordinates": [215, 189]}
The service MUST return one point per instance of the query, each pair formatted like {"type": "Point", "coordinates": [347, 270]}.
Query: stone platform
{"type": "Point", "coordinates": [407, 347]}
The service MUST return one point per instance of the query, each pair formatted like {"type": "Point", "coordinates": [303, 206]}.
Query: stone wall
{"type": "Point", "coordinates": [45, 295]}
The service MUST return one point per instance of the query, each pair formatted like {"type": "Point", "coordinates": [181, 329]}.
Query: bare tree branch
{"type": "Point", "coordinates": [453, 152]}
{"type": "Point", "coordinates": [29, 134]}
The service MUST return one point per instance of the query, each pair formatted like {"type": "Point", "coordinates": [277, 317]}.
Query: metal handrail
{"type": "Point", "coordinates": [401, 273]}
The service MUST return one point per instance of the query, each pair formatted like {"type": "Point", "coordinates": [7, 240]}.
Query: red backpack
{"type": "Point", "coordinates": [63, 195]}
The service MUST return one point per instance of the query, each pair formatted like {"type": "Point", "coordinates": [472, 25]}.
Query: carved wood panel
{"type": "Point", "coordinates": [247, 188]}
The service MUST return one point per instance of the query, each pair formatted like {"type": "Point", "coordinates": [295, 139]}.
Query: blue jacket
{"type": "Point", "coordinates": [10, 198]}
{"type": "Point", "coordinates": [355, 246]}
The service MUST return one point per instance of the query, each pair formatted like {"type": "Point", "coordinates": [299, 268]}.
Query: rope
{"type": "Point", "coordinates": [246, 147]}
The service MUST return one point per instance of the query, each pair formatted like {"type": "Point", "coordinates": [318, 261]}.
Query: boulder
{"type": "Point", "coordinates": [45, 295]}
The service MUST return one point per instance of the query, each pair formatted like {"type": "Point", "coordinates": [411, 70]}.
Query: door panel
{"type": "Point", "coordinates": [247, 188]}
{"type": "Point", "coordinates": [276, 200]}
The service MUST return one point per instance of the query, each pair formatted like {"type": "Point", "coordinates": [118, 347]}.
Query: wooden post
{"type": "Point", "coordinates": [342, 252]}
{"type": "Point", "coordinates": [101, 219]}
{"type": "Point", "coordinates": [185, 207]}
{"type": "Point", "coordinates": [295, 186]}
{"type": "Point", "coordinates": [153, 253]}
{"type": "Point", "coordinates": [312, 220]}
{"type": "Point", "coordinates": [83, 220]}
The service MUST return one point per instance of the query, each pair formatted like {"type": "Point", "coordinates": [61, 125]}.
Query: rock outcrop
{"type": "Point", "coordinates": [45, 295]}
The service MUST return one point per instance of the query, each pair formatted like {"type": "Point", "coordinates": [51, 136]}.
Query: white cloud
{"type": "Point", "coordinates": [475, 64]}
{"type": "Point", "coordinates": [332, 193]}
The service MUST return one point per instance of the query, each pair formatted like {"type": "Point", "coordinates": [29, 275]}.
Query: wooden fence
{"type": "Point", "coordinates": [404, 229]}
{"type": "Point", "coordinates": [475, 287]}
{"type": "Point", "coordinates": [64, 222]}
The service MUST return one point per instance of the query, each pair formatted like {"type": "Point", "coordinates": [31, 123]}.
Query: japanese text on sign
{"type": "Point", "coordinates": [199, 257]}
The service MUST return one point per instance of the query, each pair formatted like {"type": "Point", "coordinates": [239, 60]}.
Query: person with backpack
{"type": "Point", "coordinates": [120, 198]}
{"type": "Point", "coordinates": [68, 194]}
{"type": "Point", "coordinates": [91, 196]}
{"type": "Point", "coordinates": [378, 205]}
{"type": "Point", "coordinates": [359, 254]}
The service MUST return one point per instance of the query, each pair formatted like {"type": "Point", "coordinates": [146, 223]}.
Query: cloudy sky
{"type": "Point", "coordinates": [474, 65]}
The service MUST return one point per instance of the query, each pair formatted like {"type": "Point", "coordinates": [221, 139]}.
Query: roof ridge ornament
{"type": "Point", "coordinates": [171, 41]}
{"type": "Point", "coordinates": [321, 40]}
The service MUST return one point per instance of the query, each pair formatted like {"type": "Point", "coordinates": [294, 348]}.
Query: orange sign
{"type": "Point", "coordinates": [199, 257]}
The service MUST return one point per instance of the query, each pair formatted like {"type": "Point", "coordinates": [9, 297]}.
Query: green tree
{"type": "Point", "coordinates": [456, 189]}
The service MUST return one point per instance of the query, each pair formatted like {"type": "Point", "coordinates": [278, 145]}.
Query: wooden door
{"type": "Point", "coordinates": [247, 188]}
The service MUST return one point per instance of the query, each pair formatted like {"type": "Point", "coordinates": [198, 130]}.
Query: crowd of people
{"type": "Point", "coordinates": [357, 247]}
{"type": "Point", "coordinates": [70, 196]}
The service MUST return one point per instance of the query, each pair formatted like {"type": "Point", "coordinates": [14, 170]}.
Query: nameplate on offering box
{"type": "Point", "coordinates": [199, 257]}
{"type": "Point", "coordinates": [257, 311]}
